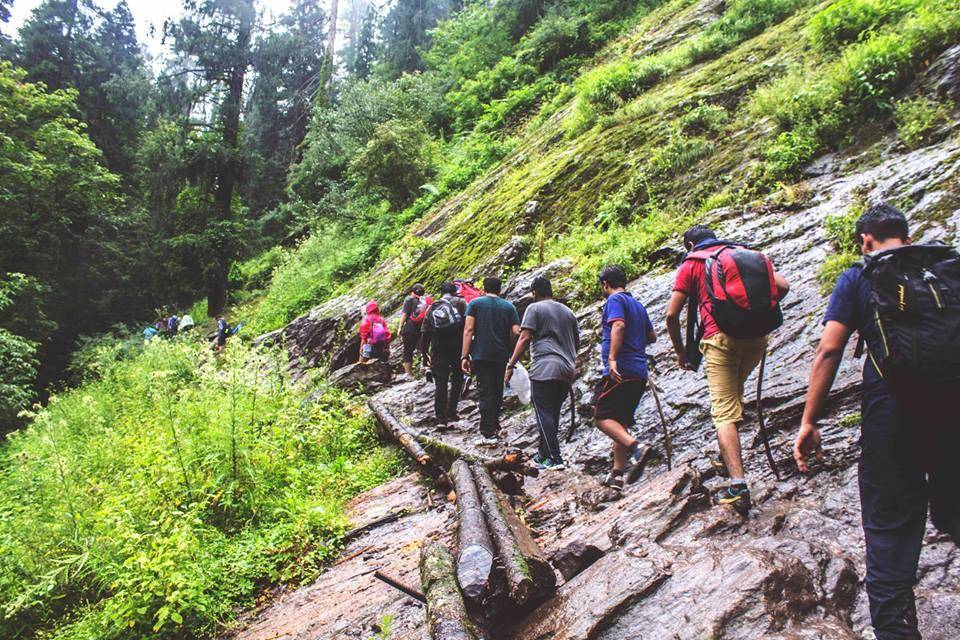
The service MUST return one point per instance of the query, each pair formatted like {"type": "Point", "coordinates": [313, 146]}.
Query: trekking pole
{"type": "Point", "coordinates": [573, 416]}
{"type": "Point", "coordinates": [763, 426]}
{"type": "Point", "coordinates": [663, 421]}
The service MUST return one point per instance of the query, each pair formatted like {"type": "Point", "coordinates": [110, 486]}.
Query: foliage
{"type": "Point", "coordinates": [917, 118]}
{"type": "Point", "coordinates": [840, 234]}
{"type": "Point", "coordinates": [679, 153]}
{"type": "Point", "coordinates": [703, 119]}
{"type": "Point", "coordinates": [847, 21]}
{"type": "Point", "coordinates": [395, 162]}
{"type": "Point", "coordinates": [155, 500]}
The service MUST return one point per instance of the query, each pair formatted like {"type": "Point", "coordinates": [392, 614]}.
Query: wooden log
{"type": "Point", "coordinates": [475, 548]}
{"type": "Point", "coordinates": [399, 433]}
{"type": "Point", "coordinates": [446, 614]}
{"type": "Point", "coordinates": [530, 578]}
{"type": "Point", "coordinates": [447, 454]}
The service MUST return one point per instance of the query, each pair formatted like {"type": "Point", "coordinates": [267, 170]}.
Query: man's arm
{"type": "Point", "coordinates": [468, 327]}
{"type": "Point", "coordinates": [674, 307]}
{"type": "Point", "coordinates": [403, 321]}
{"type": "Point", "coordinates": [618, 329]}
{"type": "Point", "coordinates": [782, 285]}
{"type": "Point", "coordinates": [824, 370]}
{"type": "Point", "coordinates": [526, 335]}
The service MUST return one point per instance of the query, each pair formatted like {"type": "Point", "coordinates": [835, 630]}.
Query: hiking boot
{"type": "Point", "coordinates": [453, 417]}
{"type": "Point", "coordinates": [548, 464]}
{"type": "Point", "coordinates": [486, 441]}
{"type": "Point", "coordinates": [738, 497]}
{"type": "Point", "coordinates": [637, 463]}
{"type": "Point", "coordinates": [614, 481]}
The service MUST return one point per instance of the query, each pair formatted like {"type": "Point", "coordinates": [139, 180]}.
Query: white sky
{"type": "Point", "coordinates": [148, 14]}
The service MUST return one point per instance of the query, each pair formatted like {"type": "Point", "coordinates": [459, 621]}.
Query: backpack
{"type": "Point", "coordinates": [467, 290]}
{"type": "Point", "coordinates": [422, 308]}
{"type": "Point", "coordinates": [915, 290]}
{"type": "Point", "coordinates": [379, 332]}
{"type": "Point", "coordinates": [742, 290]}
{"type": "Point", "coordinates": [443, 315]}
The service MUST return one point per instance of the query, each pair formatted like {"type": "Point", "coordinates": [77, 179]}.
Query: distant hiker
{"type": "Point", "coordinates": [491, 327]}
{"type": "Point", "coordinates": [413, 312]}
{"type": "Point", "coordinates": [149, 333]}
{"type": "Point", "coordinates": [904, 301]}
{"type": "Point", "coordinates": [731, 339]}
{"type": "Point", "coordinates": [626, 332]}
{"type": "Point", "coordinates": [162, 326]}
{"type": "Point", "coordinates": [441, 344]}
{"type": "Point", "coordinates": [223, 331]}
{"type": "Point", "coordinates": [553, 335]}
{"type": "Point", "coordinates": [186, 323]}
{"type": "Point", "coordinates": [173, 324]}
{"type": "Point", "coordinates": [375, 335]}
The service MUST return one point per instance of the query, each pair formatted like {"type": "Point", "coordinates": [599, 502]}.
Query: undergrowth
{"type": "Point", "coordinates": [170, 489]}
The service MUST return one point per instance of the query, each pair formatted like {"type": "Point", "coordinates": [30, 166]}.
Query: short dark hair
{"type": "Point", "coordinates": [418, 289]}
{"type": "Point", "coordinates": [448, 288]}
{"type": "Point", "coordinates": [697, 234]}
{"type": "Point", "coordinates": [883, 221]}
{"type": "Point", "coordinates": [492, 285]}
{"type": "Point", "coordinates": [614, 276]}
{"type": "Point", "coordinates": [542, 287]}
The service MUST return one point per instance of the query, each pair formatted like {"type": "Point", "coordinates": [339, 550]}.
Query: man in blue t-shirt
{"type": "Point", "coordinates": [489, 333]}
{"type": "Point", "coordinates": [896, 486]}
{"type": "Point", "coordinates": [627, 331]}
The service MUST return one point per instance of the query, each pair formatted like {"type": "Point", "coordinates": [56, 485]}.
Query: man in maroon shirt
{"type": "Point", "coordinates": [729, 361]}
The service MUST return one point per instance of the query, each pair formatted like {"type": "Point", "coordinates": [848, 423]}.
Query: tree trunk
{"type": "Point", "coordinates": [530, 578]}
{"type": "Point", "coordinates": [447, 454]}
{"type": "Point", "coordinates": [408, 441]}
{"type": "Point", "coordinates": [475, 549]}
{"type": "Point", "coordinates": [330, 62]}
{"type": "Point", "coordinates": [446, 613]}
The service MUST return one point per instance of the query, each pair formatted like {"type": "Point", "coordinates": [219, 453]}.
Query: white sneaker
{"type": "Point", "coordinates": [484, 441]}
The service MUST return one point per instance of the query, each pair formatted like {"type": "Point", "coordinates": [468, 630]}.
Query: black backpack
{"type": "Point", "coordinates": [444, 316]}
{"type": "Point", "coordinates": [916, 299]}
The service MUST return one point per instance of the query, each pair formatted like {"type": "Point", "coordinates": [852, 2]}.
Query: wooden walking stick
{"type": "Point", "coordinates": [663, 421]}
{"type": "Point", "coordinates": [763, 426]}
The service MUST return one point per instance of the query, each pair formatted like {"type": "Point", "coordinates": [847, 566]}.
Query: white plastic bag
{"type": "Point", "coordinates": [520, 383]}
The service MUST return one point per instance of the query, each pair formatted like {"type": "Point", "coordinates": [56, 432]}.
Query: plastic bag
{"type": "Point", "coordinates": [520, 383]}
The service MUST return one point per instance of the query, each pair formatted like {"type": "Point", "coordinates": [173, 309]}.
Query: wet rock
{"type": "Point", "coordinates": [574, 558]}
{"type": "Point", "coordinates": [517, 288]}
{"type": "Point", "coordinates": [372, 376]}
{"type": "Point", "coordinates": [943, 76]}
{"type": "Point", "coordinates": [507, 258]}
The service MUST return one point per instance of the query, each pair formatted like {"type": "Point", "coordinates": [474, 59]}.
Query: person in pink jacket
{"type": "Point", "coordinates": [375, 335]}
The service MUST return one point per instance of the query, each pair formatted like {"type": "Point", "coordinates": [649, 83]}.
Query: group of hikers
{"type": "Point", "coordinates": [170, 326]}
{"type": "Point", "coordinates": [902, 299]}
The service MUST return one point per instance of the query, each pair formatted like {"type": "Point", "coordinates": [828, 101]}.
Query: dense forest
{"type": "Point", "coordinates": [260, 165]}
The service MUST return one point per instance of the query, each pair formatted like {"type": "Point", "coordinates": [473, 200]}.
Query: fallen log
{"type": "Point", "coordinates": [475, 549]}
{"type": "Point", "coordinates": [446, 614]}
{"type": "Point", "coordinates": [530, 578]}
{"type": "Point", "coordinates": [447, 454]}
{"type": "Point", "coordinates": [399, 433]}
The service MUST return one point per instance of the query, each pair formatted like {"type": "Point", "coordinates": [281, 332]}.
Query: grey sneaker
{"type": "Point", "coordinates": [614, 481]}
{"type": "Point", "coordinates": [637, 463]}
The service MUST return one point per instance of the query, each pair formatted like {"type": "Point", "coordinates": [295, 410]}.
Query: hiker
{"type": "Point", "coordinates": [491, 327]}
{"type": "Point", "coordinates": [186, 323]}
{"type": "Point", "coordinates": [441, 344]}
{"type": "Point", "coordinates": [909, 428]}
{"type": "Point", "coordinates": [551, 331]}
{"type": "Point", "coordinates": [223, 331]}
{"type": "Point", "coordinates": [375, 335]}
{"type": "Point", "coordinates": [414, 310]}
{"type": "Point", "coordinates": [626, 332]}
{"type": "Point", "coordinates": [173, 324]}
{"type": "Point", "coordinates": [729, 359]}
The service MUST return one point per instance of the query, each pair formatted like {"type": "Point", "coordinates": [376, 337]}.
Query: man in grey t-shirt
{"type": "Point", "coordinates": [552, 332]}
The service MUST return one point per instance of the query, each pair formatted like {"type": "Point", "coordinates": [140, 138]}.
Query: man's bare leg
{"type": "Point", "coordinates": [623, 442]}
{"type": "Point", "coordinates": [729, 440]}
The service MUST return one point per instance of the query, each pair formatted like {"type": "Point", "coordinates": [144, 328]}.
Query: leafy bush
{"type": "Point", "coordinates": [704, 118]}
{"type": "Point", "coordinates": [917, 118]}
{"type": "Point", "coordinates": [249, 278]}
{"type": "Point", "coordinates": [790, 151]}
{"type": "Point", "coordinates": [842, 238]}
{"type": "Point", "coordinates": [679, 153]}
{"type": "Point", "coordinates": [395, 162]}
{"type": "Point", "coordinates": [846, 21]}
{"type": "Point", "coordinates": [153, 502]}
{"type": "Point", "coordinates": [469, 157]}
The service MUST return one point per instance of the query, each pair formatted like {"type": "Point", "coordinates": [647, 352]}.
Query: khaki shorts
{"type": "Point", "coordinates": [729, 362]}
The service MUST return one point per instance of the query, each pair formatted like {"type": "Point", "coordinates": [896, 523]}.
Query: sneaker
{"type": "Point", "coordinates": [486, 441]}
{"type": "Point", "coordinates": [453, 417]}
{"type": "Point", "coordinates": [614, 481]}
{"type": "Point", "coordinates": [737, 497]}
{"type": "Point", "coordinates": [548, 464]}
{"type": "Point", "coordinates": [637, 463]}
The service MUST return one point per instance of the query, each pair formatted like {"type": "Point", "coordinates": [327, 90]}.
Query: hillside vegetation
{"type": "Point", "coordinates": [161, 488]}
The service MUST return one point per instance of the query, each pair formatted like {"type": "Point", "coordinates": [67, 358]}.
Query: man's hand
{"type": "Point", "coordinates": [507, 376]}
{"type": "Point", "coordinates": [465, 366]}
{"type": "Point", "coordinates": [682, 361]}
{"type": "Point", "coordinates": [614, 371]}
{"type": "Point", "coordinates": [807, 444]}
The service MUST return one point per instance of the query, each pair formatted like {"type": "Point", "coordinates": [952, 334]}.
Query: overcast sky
{"type": "Point", "coordinates": [148, 14]}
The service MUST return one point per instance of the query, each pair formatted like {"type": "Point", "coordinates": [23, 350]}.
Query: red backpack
{"type": "Point", "coordinates": [422, 308]}
{"type": "Point", "coordinates": [742, 290]}
{"type": "Point", "coordinates": [467, 290]}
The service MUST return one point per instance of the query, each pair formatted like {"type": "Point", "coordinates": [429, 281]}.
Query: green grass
{"type": "Point", "coordinates": [917, 118]}
{"type": "Point", "coordinates": [154, 500]}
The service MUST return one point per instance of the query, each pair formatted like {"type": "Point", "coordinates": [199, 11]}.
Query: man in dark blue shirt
{"type": "Point", "coordinates": [895, 487]}
{"type": "Point", "coordinates": [627, 331]}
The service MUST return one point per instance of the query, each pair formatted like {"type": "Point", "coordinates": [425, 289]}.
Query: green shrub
{"type": "Point", "coordinates": [395, 162]}
{"type": "Point", "coordinates": [158, 500]}
{"type": "Point", "coordinates": [846, 21]}
{"type": "Point", "coordinates": [840, 231]}
{"type": "Point", "coordinates": [470, 156]}
{"type": "Point", "coordinates": [917, 118]}
{"type": "Point", "coordinates": [679, 153]}
{"type": "Point", "coordinates": [704, 118]}
{"type": "Point", "coordinates": [790, 151]}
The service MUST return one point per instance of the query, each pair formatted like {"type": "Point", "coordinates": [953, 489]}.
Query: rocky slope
{"type": "Point", "coordinates": [662, 563]}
